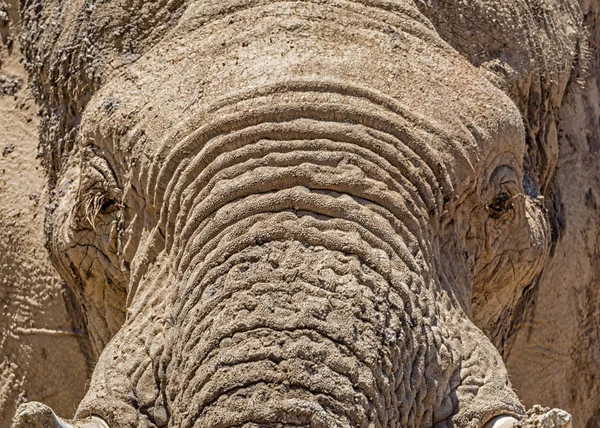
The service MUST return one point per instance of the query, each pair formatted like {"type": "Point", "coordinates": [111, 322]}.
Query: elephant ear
{"type": "Point", "coordinates": [532, 50]}
{"type": "Point", "coordinates": [71, 47]}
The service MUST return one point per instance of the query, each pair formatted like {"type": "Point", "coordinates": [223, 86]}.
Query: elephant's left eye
{"type": "Point", "coordinates": [500, 205]}
{"type": "Point", "coordinates": [499, 196]}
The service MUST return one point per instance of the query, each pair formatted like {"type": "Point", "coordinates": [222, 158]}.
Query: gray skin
{"type": "Point", "coordinates": [299, 213]}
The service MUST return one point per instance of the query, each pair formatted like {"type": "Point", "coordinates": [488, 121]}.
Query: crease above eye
{"type": "Point", "coordinates": [510, 187]}
{"type": "Point", "coordinates": [100, 179]}
{"type": "Point", "coordinates": [102, 167]}
{"type": "Point", "coordinates": [504, 180]}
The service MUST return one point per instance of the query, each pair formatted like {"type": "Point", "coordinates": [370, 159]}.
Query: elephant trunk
{"type": "Point", "coordinates": [299, 256]}
{"type": "Point", "coordinates": [303, 255]}
{"type": "Point", "coordinates": [304, 326]}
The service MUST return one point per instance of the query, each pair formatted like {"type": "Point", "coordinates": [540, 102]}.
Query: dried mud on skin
{"type": "Point", "coordinates": [542, 417]}
{"type": "Point", "coordinates": [570, 356]}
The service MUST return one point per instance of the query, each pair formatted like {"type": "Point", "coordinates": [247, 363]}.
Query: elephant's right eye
{"type": "Point", "coordinates": [99, 193]}
{"type": "Point", "coordinates": [109, 205]}
{"type": "Point", "coordinates": [94, 204]}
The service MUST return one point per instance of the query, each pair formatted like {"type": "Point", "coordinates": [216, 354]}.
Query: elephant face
{"type": "Point", "coordinates": [292, 212]}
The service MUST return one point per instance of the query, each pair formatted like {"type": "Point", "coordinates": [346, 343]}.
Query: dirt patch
{"type": "Point", "coordinates": [40, 348]}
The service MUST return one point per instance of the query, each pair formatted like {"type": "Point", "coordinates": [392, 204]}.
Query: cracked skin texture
{"type": "Point", "coordinates": [292, 213]}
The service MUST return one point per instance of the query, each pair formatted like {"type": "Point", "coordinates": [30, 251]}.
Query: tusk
{"type": "Point", "coordinates": [92, 422]}
{"type": "Point", "coordinates": [36, 415]}
{"type": "Point", "coordinates": [99, 422]}
{"type": "Point", "coordinates": [502, 421]}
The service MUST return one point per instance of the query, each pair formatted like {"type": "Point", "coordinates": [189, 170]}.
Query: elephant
{"type": "Point", "coordinates": [299, 213]}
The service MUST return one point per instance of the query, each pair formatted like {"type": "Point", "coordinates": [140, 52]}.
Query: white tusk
{"type": "Point", "coordinates": [502, 421]}
{"type": "Point", "coordinates": [92, 422]}
{"type": "Point", "coordinates": [100, 422]}
{"type": "Point", "coordinates": [38, 415]}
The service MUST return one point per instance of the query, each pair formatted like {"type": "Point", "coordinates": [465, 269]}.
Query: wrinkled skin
{"type": "Point", "coordinates": [294, 213]}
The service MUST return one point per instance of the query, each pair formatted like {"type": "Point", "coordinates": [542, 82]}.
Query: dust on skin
{"type": "Point", "coordinates": [495, 205]}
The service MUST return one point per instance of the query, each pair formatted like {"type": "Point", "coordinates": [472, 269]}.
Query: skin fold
{"type": "Point", "coordinates": [299, 213]}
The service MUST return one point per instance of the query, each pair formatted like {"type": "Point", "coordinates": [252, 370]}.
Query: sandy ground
{"type": "Point", "coordinates": [40, 352]}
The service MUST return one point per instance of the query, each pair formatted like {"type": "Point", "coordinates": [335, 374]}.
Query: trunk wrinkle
{"type": "Point", "coordinates": [394, 119]}
{"type": "Point", "coordinates": [350, 211]}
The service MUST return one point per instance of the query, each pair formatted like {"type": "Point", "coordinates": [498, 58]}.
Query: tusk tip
{"type": "Point", "coordinates": [502, 421]}
{"type": "Point", "coordinates": [37, 415]}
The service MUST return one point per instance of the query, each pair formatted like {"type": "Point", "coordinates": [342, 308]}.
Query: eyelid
{"type": "Point", "coordinates": [511, 187]}
{"type": "Point", "coordinates": [99, 176]}
{"type": "Point", "coordinates": [102, 166]}
{"type": "Point", "coordinates": [505, 178]}
{"type": "Point", "coordinates": [509, 181]}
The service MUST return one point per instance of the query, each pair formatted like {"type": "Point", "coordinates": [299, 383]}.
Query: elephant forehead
{"type": "Point", "coordinates": [186, 79]}
{"type": "Point", "coordinates": [530, 37]}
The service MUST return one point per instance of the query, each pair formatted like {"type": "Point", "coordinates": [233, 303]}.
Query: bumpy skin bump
{"type": "Point", "coordinates": [278, 213]}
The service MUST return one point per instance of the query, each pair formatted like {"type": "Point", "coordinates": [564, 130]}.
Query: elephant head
{"type": "Point", "coordinates": [301, 213]}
